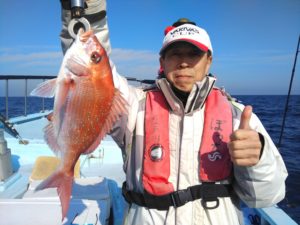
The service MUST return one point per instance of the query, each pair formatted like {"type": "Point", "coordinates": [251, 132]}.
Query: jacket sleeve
{"type": "Point", "coordinates": [261, 185]}
{"type": "Point", "coordinates": [123, 129]}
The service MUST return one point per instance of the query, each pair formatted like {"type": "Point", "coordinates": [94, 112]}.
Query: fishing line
{"type": "Point", "coordinates": [288, 96]}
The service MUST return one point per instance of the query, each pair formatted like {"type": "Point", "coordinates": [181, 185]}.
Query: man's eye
{"type": "Point", "coordinates": [195, 54]}
{"type": "Point", "coordinates": [174, 53]}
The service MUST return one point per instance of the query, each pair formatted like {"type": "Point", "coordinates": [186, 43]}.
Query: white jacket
{"type": "Point", "coordinates": [261, 185]}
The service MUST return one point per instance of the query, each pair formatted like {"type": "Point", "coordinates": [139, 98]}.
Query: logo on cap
{"type": "Point", "coordinates": [184, 30]}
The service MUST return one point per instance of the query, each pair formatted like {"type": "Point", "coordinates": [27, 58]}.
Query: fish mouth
{"type": "Point", "coordinates": [84, 36]}
{"type": "Point", "coordinates": [78, 62]}
{"type": "Point", "coordinates": [76, 70]}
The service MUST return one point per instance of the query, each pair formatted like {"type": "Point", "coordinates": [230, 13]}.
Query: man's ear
{"type": "Point", "coordinates": [161, 62]}
{"type": "Point", "coordinates": [208, 64]}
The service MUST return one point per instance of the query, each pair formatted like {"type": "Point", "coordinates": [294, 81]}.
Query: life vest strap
{"type": "Point", "coordinates": [207, 192]}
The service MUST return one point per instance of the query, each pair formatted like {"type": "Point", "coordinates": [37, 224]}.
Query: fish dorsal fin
{"type": "Point", "coordinates": [45, 89]}
{"type": "Point", "coordinates": [119, 107]}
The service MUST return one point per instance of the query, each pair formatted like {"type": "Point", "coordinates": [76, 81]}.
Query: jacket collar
{"type": "Point", "coordinates": [196, 98]}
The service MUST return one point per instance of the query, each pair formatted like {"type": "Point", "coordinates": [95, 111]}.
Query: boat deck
{"type": "Point", "coordinates": [93, 195]}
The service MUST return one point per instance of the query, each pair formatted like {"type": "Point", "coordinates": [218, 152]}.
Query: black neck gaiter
{"type": "Point", "coordinates": [181, 95]}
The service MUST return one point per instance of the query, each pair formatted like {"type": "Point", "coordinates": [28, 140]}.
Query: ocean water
{"type": "Point", "coordinates": [16, 105]}
{"type": "Point", "coordinates": [270, 110]}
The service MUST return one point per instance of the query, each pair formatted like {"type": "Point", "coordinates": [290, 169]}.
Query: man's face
{"type": "Point", "coordinates": [184, 64]}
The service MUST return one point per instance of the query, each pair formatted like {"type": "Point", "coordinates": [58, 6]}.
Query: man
{"type": "Point", "coordinates": [190, 154]}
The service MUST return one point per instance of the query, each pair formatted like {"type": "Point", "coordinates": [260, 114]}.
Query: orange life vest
{"type": "Point", "coordinates": [215, 163]}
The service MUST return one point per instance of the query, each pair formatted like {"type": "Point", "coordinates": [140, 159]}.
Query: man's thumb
{"type": "Point", "coordinates": [245, 117]}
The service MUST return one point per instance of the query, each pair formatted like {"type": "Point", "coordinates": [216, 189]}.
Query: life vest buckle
{"type": "Point", "coordinates": [208, 195]}
{"type": "Point", "coordinates": [181, 197]}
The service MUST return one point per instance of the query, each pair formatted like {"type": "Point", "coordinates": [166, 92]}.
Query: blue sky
{"type": "Point", "coordinates": [254, 41]}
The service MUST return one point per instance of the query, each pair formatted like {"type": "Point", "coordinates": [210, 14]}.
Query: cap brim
{"type": "Point", "coordinates": [199, 45]}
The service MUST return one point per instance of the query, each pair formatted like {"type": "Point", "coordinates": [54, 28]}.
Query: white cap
{"type": "Point", "coordinates": [188, 33]}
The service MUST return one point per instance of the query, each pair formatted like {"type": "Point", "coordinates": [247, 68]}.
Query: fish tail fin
{"type": "Point", "coordinates": [63, 183]}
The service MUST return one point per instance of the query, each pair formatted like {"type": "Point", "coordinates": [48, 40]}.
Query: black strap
{"type": "Point", "coordinates": [207, 192]}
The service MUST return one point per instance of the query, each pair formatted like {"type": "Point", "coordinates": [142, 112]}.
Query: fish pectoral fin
{"type": "Point", "coordinates": [119, 107]}
{"type": "Point", "coordinates": [45, 89]}
{"type": "Point", "coordinates": [64, 184]}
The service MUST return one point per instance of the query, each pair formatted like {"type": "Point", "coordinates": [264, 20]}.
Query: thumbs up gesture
{"type": "Point", "coordinates": [245, 146]}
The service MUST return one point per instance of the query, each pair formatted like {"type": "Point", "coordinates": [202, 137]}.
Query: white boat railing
{"type": "Point", "coordinates": [8, 78]}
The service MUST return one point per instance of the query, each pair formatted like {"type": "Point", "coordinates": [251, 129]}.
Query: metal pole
{"type": "Point", "coordinates": [43, 101]}
{"type": "Point", "coordinates": [288, 96]}
{"type": "Point", "coordinates": [6, 99]}
{"type": "Point", "coordinates": [25, 100]}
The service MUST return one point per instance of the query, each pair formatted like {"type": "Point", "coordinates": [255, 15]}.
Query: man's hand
{"type": "Point", "coordinates": [245, 146]}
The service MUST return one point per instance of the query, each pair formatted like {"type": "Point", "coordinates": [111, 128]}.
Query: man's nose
{"type": "Point", "coordinates": [183, 62]}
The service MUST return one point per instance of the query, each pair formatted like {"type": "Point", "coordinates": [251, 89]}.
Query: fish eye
{"type": "Point", "coordinates": [96, 57]}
